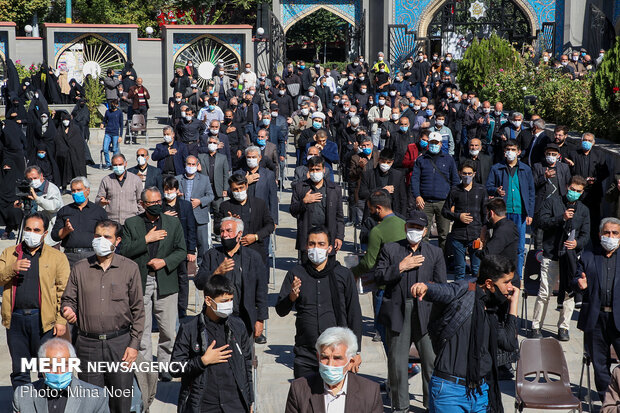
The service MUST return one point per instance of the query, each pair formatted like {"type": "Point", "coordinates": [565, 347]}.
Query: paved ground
{"type": "Point", "coordinates": [275, 359]}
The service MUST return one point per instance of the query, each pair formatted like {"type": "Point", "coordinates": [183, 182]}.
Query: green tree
{"type": "Point", "coordinates": [606, 90]}
{"type": "Point", "coordinates": [485, 57]}
{"type": "Point", "coordinates": [22, 11]}
{"type": "Point", "coordinates": [316, 29]}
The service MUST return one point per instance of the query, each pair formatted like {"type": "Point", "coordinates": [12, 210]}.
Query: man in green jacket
{"type": "Point", "coordinates": [156, 243]}
{"type": "Point", "coordinates": [390, 228]}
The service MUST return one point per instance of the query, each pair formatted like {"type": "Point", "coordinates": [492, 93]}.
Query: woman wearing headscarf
{"type": "Point", "coordinates": [129, 75]}
{"type": "Point", "coordinates": [41, 130]}
{"type": "Point", "coordinates": [65, 88]}
{"type": "Point", "coordinates": [15, 110]}
{"type": "Point", "coordinates": [70, 152]}
{"type": "Point", "coordinates": [52, 89]}
{"type": "Point", "coordinates": [13, 144]}
{"type": "Point", "coordinates": [77, 91]}
{"type": "Point", "coordinates": [189, 69]}
{"type": "Point", "coordinates": [27, 89]}
{"type": "Point", "coordinates": [81, 117]}
{"type": "Point", "coordinates": [12, 217]}
{"type": "Point", "coordinates": [44, 160]}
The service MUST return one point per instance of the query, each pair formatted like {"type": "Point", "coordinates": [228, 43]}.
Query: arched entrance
{"type": "Point", "coordinates": [451, 25]}
{"type": "Point", "coordinates": [90, 54]}
{"type": "Point", "coordinates": [319, 35]}
{"type": "Point", "coordinates": [205, 52]}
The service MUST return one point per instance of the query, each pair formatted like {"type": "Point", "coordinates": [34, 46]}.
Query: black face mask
{"type": "Point", "coordinates": [496, 298]}
{"type": "Point", "coordinates": [154, 210]}
{"type": "Point", "coordinates": [227, 120]}
{"type": "Point", "coordinates": [375, 216]}
{"type": "Point", "coordinates": [229, 243]}
{"type": "Point", "coordinates": [233, 106]}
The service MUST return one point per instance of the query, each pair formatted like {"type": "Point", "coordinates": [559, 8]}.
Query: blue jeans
{"type": "Point", "coordinates": [460, 249]}
{"type": "Point", "coordinates": [448, 397]}
{"type": "Point", "coordinates": [107, 139]}
{"type": "Point", "coordinates": [519, 220]}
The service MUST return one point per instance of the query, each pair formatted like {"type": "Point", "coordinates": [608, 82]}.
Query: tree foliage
{"type": "Point", "coordinates": [94, 96]}
{"type": "Point", "coordinates": [316, 29]}
{"type": "Point", "coordinates": [606, 82]}
{"type": "Point", "coordinates": [22, 11]}
{"type": "Point", "coordinates": [486, 57]}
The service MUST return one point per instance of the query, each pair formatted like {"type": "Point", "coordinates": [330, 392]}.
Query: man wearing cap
{"type": "Point", "coordinates": [400, 265]}
{"type": "Point", "coordinates": [434, 173]}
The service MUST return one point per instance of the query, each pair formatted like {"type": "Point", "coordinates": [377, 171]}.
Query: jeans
{"type": "Point", "coordinates": [448, 397]}
{"type": "Point", "coordinates": [461, 248]}
{"type": "Point", "coordinates": [107, 139]}
{"type": "Point", "coordinates": [519, 220]}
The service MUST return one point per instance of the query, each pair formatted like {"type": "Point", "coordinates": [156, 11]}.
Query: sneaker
{"type": "Point", "coordinates": [563, 334]}
{"type": "Point", "coordinates": [578, 304]}
{"type": "Point", "coordinates": [377, 337]}
{"type": "Point", "coordinates": [536, 333]}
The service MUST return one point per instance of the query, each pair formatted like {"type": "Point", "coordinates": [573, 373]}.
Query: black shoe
{"type": "Point", "coordinates": [563, 334]}
{"type": "Point", "coordinates": [377, 337]}
{"type": "Point", "coordinates": [536, 333]}
{"type": "Point", "coordinates": [261, 339]}
{"type": "Point", "coordinates": [126, 141]}
{"type": "Point", "coordinates": [134, 141]}
{"type": "Point", "coordinates": [560, 307]}
{"type": "Point", "coordinates": [165, 376]}
{"type": "Point", "coordinates": [578, 304]}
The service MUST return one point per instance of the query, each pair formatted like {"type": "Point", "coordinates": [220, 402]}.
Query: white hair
{"type": "Point", "coordinates": [608, 220]}
{"type": "Point", "coordinates": [516, 115]}
{"type": "Point", "coordinates": [81, 179]}
{"type": "Point", "coordinates": [56, 342]}
{"type": "Point", "coordinates": [334, 336]}
{"type": "Point", "coordinates": [237, 221]}
{"type": "Point", "coordinates": [252, 149]}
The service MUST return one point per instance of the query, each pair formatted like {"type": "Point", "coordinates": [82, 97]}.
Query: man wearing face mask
{"type": "Point", "coordinates": [258, 224]}
{"type": "Point", "coordinates": [215, 166]}
{"type": "Point", "coordinates": [219, 355]}
{"type": "Point", "coordinates": [478, 325]}
{"type": "Point", "coordinates": [119, 192]}
{"type": "Point", "coordinates": [148, 174]}
{"type": "Point", "coordinates": [465, 206]}
{"type": "Point", "coordinates": [377, 116]}
{"type": "Point", "coordinates": [34, 276]}
{"type": "Point", "coordinates": [245, 269]}
{"type": "Point", "coordinates": [366, 159]}
{"type": "Point", "coordinates": [197, 189]}
{"type": "Point", "coordinates": [189, 131]}
{"type": "Point", "coordinates": [384, 177]}
{"type": "Point", "coordinates": [447, 141]}
{"type": "Point", "coordinates": [59, 388]}
{"type": "Point", "coordinates": [223, 146]}
{"type": "Point", "coordinates": [109, 325]}
{"type": "Point", "coordinates": [174, 108]}
{"type": "Point", "coordinates": [400, 141]}
{"type": "Point", "coordinates": [155, 241]}
{"type": "Point", "coordinates": [483, 162]}
{"type": "Point", "coordinates": [400, 265]}
{"type": "Point", "coordinates": [324, 295]}
{"type": "Point", "coordinates": [565, 222]}
{"type": "Point", "coordinates": [533, 141]}
{"type": "Point", "coordinates": [307, 135]}
{"type": "Point", "coordinates": [182, 209]}
{"type": "Point", "coordinates": [301, 120]}
{"type": "Point", "coordinates": [434, 173]}
{"type": "Point", "coordinates": [261, 180]}
{"type": "Point", "coordinates": [505, 238]}
{"type": "Point", "coordinates": [513, 181]}
{"type": "Point", "coordinates": [595, 276]}
{"type": "Point", "coordinates": [317, 202]}
{"type": "Point", "coordinates": [513, 129]}
{"type": "Point", "coordinates": [75, 222]}
{"type": "Point", "coordinates": [170, 154]}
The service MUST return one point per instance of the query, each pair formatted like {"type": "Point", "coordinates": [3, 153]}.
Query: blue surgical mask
{"type": "Point", "coordinates": [266, 122]}
{"type": "Point", "coordinates": [302, 67]}
{"type": "Point", "coordinates": [404, 128]}
{"type": "Point", "coordinates": [429, 112]}
{"type": "Point", "coordinates": [211, 107]}
{"type": "Point", "coordinates": [331, 374]}
{"type": "Point", "coordinates": [367, 151]}
{"type": "Point", "coordinates": [586, 145]}
{"type": "Point", "coordinates": [41, 155]}
{"type": "Point", "coordinates": [434, 147]}
{"type": "Point", "coordinates": [317, 125]}
{"type": "Point", "coordinates": [58, 381]}
{"type": "Point", "coordinates": [423, 144]}
{"type": "Point", "coordinates": [261, 142]}
{"type": "Point", "coordinates": [572, 196]}
{"type": "Point", "coordinates": [78, 197]}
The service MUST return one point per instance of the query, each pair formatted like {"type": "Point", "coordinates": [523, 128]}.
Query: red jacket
{"type": "Point", "coordinates": [409, 159]}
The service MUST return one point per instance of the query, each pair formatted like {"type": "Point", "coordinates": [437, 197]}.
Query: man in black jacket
{"type": "Point", "coordinates": [400, 141]}
{"type": "Point", "coordinates": [218, 353]}
{"type": "Point", "coordinates": [383, 176]}
{"type": "Point", "coordinates": [150, 175]}
{"type": "Point", "coordinates": [473, 323]}
{"type": "Point", "coordinates": [566, 225]}
{"type": "Point", "coordinates": [505, 239]}
{"type": "Point", "coordinates": [533, 142]}
{"type": "Point", "coordinates": [399, 266]}
{"type": "Point", "coordinates": [483, 161]}
{"type": "Point", "coordinates": [324, 295]}
{"type": "Point", "coordinates": [257, 221]}
{"type": "Point", "coordinates": [245, 268]}
{"type": "Point", "coordinates": [317, 202]}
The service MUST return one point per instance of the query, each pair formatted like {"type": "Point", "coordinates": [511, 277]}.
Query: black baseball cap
{"type": "Point", "coordinates": [417, 217]}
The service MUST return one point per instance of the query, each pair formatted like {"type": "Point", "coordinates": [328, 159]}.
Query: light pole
{"type": "Point", "coordinates": [68, 19]}
{"type": "Point", "coordinates": [28, 30]}
{"type": "Point", "coordinates": [149, 31]}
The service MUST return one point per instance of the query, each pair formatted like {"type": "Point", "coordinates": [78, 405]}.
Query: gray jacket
{"type": "Point", "coordinates": [201, 190]}
{"type": "Point", "coordinates": [83, 398]}
{"type": "Point", "coordinates": [111, 84]}
{"type": "Point", "coordinates": [220, 172]}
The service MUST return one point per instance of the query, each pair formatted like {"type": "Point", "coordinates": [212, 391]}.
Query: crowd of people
{"type": "Point", "coordinates": [397, 152]}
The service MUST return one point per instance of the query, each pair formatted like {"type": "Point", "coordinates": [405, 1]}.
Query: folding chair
{"type": "Point", "coordinates": [542, 380]}
{"type": "Point", "coordinates": [138, 124]}
{"type": "Point", "coordinates": [585, 365]}
{"type": "Point", "coordinates": [254, 378]}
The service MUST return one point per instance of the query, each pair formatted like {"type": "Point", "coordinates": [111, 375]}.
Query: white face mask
{"type": "Point", "coordinates": [32, 239]}
{"type": "Point", "coordinates": [395, 116]}
{"type": "Point", "coordinates": [439, 123]}
{"type": "Point", "coordinates": [223, 310]}
{"type": "Point", "coordinates": [486, 110]}
{"type": "Point", "coordinates": [35, 183]}
{"type": "Point", "coordinates": [424, 104]}
{"type": "Point", "coordinates": [66, 122]}
{"type": "Point", "coordinates": [305, 111]}
{"type": "Point", "coordinates": [240, 196]}
{"type": "Point", "coordinates": [178, 100]}
{"type": "Point", "coordinates": [392, 93]}
{"type": "Point", "coordinates": [316, 177]}
{"type": "Point", "coordinates": [516, 123]}
{"type": "Point", "coordinates": [310, 94]}
{"type": "Point", "coordinates": [167, 138]}
{"type": "Point", "coordinates": [252, 162]}
{"type": "Point", "coordinates": [212, 147]}
{"type": "Point", "coordinates": [414, 236]}
{"type": "Point", "coordinates": [170, 196]}
{"type": "Point", "coordinates": [511, 155]}
{"type": "Point", "coordinates": [274, 114]}
{"type": "Point", "coordinates": [609, 244]}
{"type": "Point", "coordinates": [474, 152]}
{"type": "Point", "coordinates": [188, 117]}
{"type": "Point", "coordinates": [102, 246]}
{"type": "Point", "coordinates": [381, 102]}
{"type": "Point", "coordinates": [317, 255]}
{"type": "Point", "coordinates": [416, 107]}
{"type": "Point", "coordinates": [182, 113]}
{"type": "Point", "coordinates": [141, 160]}
{"type": "Point", "coordinates": [384, 167]}
{"type": "Point", "coordinates": [247, 70]}
{"type": "Point", "coordinates": [191, 170]}
{"type": "Point", "coordinates": [551, 159]}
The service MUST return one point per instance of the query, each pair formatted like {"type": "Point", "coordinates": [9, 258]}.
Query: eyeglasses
{"type": "Point", "coordinates": [158, 202]}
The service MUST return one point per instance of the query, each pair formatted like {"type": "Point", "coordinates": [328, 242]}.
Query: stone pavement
{"type": "Point", "coordinates": [275, 359]}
